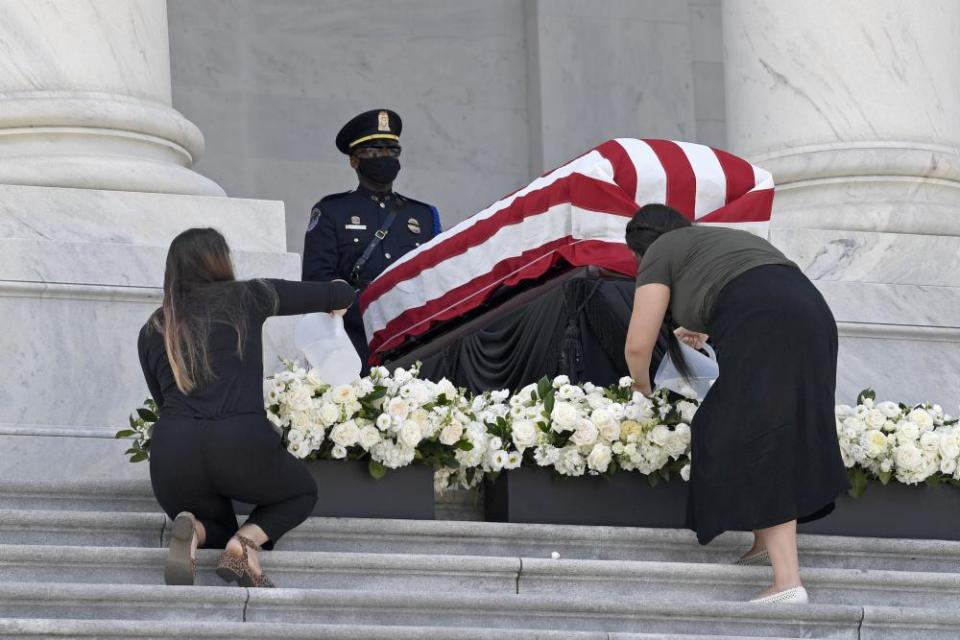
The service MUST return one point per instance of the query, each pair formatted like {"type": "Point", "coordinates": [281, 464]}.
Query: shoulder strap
{"type": "Point", "coordinates": [375, 241]}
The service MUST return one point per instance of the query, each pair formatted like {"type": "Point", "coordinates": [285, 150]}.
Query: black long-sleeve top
{"type": "Point", "coordinates": [237, 383]}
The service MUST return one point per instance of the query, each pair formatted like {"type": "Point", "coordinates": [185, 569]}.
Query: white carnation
{"type": "Point", "coordinates": [625, 382]}
{"type": "Point", "coordinates": [546, 455]}
{"type": "Point", "coordinates": [559, 381]}
{"type": "Point", "coordinates": [384, 421]}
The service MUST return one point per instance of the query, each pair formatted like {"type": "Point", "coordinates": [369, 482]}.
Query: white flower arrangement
{"type": "Point", "coordinates": [888, 440]}
{"type": "Point", "coordinates": [393, 419]}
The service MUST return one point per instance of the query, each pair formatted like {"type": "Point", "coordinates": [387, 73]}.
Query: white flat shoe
{"type": "Point", "coordinates": [797, 595]}
{"type": "Point", "coordinates": [757, 558]}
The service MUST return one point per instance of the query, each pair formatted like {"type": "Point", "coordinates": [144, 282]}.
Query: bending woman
{"type": "Point", "coordinates": [765, 449]}
{"type": "Point", "coordinates": [202, 357]}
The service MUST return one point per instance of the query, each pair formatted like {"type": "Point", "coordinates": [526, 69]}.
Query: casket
{"type": "Point", "coordinates": [489, 269]}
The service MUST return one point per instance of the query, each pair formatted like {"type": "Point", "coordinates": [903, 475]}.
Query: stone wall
{"type": "Point", "coordinates": [491, 93]}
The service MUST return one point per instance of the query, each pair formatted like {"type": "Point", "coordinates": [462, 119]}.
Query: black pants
{"type": "Point", "coordinates": [199, 465]}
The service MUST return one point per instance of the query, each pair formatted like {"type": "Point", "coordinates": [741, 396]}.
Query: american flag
{"type": "Point", "coordinates": [574, 215]}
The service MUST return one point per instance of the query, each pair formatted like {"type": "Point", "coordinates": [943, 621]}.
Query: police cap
{"type": "Point", "coordinates": [378, 124]}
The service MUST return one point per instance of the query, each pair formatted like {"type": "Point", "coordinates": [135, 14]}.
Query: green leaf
{"type": "Point", "coordinates": [664, 473]}
{"type": "Point", "coordinates": [124, 433]}
{"type": "Point", "coordinates": [885, 477]}
{"type": "Point", "coordinates": [376, 469]}
{"type": "Point", "coordinates": [146, 415]}
{"type": "Point", "coordinates": [866, 394]}
{"type": "Point", "coordinates": [139, 457]}
{"type": "Point", "coordinates": [653, 480]}
{"type": "Point", "coordinates": [548, 403]}
{"type": "Point", "coordinates": [858, 482]}
{"type": "Point", "coordinates": [465, 445]}
{"type": "Point", "coordinates": [543, 387]}
{"type": "Point", "coordinates": [935, 480]}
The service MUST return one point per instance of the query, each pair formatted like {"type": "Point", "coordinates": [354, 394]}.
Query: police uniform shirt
{"type": "Point", "coordinates": [342, 225]}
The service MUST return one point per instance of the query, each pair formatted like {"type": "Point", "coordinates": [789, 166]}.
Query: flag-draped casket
{"type": "Point", "coordinates": [573, 216]}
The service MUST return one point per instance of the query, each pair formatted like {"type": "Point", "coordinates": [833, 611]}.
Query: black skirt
{"type": "Point", "coordinates": [765, 448]}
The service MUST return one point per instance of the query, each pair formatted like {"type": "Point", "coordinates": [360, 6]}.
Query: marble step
{"type": "Point", "coordinates": [359, 535]}
{"type": "Point", "coordinates": [147, 630]}
{"type": "Point", "coordinates": [663, 615]}
{"type": "Point", "coordinates": [470, 575]}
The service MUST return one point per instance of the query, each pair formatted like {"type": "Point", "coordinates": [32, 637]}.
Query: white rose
{"type": "Point", "coordinates": [930, 441]}
{"type": "Point", "coordinates": [921, 418]}
{"type": "Point", "coordinates": [950, 446]}
{"type": "Point", "coordinates": [343, 394]}
{"type": "Point", "coordinates": [409, 434]}
{"type": "Point", "coordinates": [659, 435]}
{"type": "Point", "coordinates": [610, 431]}
{"type": "Point", "coordinates": [495, 443]}
{"type": "Point", "coordinates": [559, 381]}
{"type": "Point", "coordinates": [687, 410]}
{"type": "Point", "coordinates": [874, 442]}
{"type": "Point", "coordinates": [524, 434]}
{"type": "Point", "coordinates": [345, 434]}
{"type": "Point", "coordinates": [500, 395]}
{"type": "Point", "coordinates": [585, 434]}
{"type": "Point", "coordinates": [907, 432]}
{"type": "Point", "coordinates": [625, 382]}
{"type": "Point", "coordinates": [564, 416]}
{"type": "Point", "coordinates": [599, 458]}
{"type": "Point", "coordinates": [908, 457]}
{"type": "Point", "coordinates": [329, 413]}
{"type": "Point", "coordinates": [948, 466]}
{"type": "Point", "coordinates": [451, 434]}
{"type": "Point", "coordinates": [369, 436]}
{"type": "Point", "coordinates": [338, 452]}
{"type": "Point", "coordinates": [398, 408]}
{"type": "Point", "coordinates": [889, 409]}
{"type": "Point", "coordinates": [874, 418]}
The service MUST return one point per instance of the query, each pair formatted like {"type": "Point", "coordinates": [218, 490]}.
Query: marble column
{"type": "Point", "coordinates": [85, 99]}
{"type": "Point", "coordinates": [855, 109]}
{"type": "Point", "coordinates": [95, 181]}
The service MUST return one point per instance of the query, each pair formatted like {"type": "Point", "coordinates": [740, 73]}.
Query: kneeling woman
{"type": "Point", "coordinates": [765, 449]}
{"type": "Point", "coordinates": [202, 356]}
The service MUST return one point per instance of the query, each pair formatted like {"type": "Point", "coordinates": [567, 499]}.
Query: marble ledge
{"type": "Point", "coordinates": [124, 217]}
{"type": "Point", "coordinates": [909, 305]}
{"type": "Point", "coordinates": [119, 265]}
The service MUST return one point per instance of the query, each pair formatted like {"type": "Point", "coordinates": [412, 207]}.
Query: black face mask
{"type": "Point", "coordinates": [381, 170]}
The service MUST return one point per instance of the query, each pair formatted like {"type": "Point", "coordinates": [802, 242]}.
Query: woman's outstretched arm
{"type": "Point", "coordinates": [294, 298]}
{"type": "Point", "coordinates": [650, 304]}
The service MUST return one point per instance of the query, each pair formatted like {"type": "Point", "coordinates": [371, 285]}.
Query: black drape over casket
{"type": "Point", "coordinates": [575, 324]}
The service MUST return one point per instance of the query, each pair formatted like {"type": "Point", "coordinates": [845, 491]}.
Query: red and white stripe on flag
{"type": "Point", "coordinates": [574, 215]}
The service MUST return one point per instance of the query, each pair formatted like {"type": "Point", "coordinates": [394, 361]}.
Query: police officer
{"type": "Point", "coordinates": [355, 235]}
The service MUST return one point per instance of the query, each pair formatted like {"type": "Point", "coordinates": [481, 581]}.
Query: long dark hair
{"type": "Point", "coordinates": [649, 223]}
{"type": "Point", "coordinates": [197, 261]}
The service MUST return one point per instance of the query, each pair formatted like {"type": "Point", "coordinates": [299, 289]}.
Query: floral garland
{"type": "Point", "coordinates": [886, 440]}
{"type": "Point", "coordinates": [392, 420]}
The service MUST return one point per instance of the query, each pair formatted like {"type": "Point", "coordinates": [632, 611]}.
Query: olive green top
{"type": "Point", "coordinates": [697, 262]}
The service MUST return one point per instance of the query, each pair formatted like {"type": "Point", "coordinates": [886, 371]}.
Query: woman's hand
{"type": "Point", "coordinates": [643, 387]}
{"type": "Point", "coordinates": [691, 338]}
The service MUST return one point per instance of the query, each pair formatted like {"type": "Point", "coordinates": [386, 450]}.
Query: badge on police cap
{"type": "Point", "coordinates": [355, 220]}
{"type": "Point", "coordinates": [383, 121]}
{"type": "Point", "coordinates": [414, 225]}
